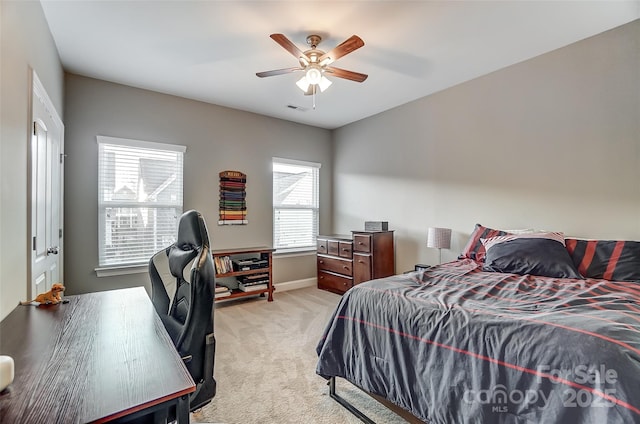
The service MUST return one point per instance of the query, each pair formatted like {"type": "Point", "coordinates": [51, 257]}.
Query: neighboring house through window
{"type": "Point", "coordinates": [295, 205]}
{"type": "Point", "coordinates": [139, 199]}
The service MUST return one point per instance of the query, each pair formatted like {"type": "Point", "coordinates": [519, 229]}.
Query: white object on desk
{"type": "Point", "coordinates": [6, 371]}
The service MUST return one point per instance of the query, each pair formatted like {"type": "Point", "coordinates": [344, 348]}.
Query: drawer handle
{"type": "Point", "coordinates": [321, 261]}
{"type": "Point", "coordinates": [360, 243]}
{"type": "Point", "coordinates": [360, 261]}
{"type": "Point", "coordinates": [346, 267]}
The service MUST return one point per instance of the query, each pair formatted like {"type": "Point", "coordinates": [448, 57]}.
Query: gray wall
{"type": "Point", "coordinates": [217, 139]}
{"type": "Point", "coordinates": [26, 44]}
{"type": "Point", "coordinates": [550, 143]}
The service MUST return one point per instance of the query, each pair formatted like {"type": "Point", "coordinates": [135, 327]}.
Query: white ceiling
{"type": "Point", "coordinates": [211, 50]}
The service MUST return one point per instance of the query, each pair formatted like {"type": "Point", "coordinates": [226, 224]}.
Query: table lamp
{"type": "Point", "coordinates": [439, 238]}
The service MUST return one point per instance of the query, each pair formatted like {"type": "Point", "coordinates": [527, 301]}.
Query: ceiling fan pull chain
{"type": "Point", "coordinates": [314, 96]}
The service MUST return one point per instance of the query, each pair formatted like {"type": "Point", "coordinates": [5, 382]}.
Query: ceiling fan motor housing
{"type": "Point", "coordinates": [313, 40]}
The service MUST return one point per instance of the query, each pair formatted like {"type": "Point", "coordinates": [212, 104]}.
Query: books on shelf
{"type": "Point", "coordinates": [262, 278]}
{"type": "Point", "coordinates": [252, 287]}
{"type": "Point", "coordinates": [223, 264]}
{"type": "Point", "coordinates": [222, 291]}
{"type": "Point", "coordinates": [243, 272]}
{"type": "Point", "coordinates": [249, 264]}
{"type": "Point", "coordinates": [254, 283]}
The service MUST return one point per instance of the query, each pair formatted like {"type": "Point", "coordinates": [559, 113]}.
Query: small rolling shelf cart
{"type": "Point", "coordinates": [247, 262]}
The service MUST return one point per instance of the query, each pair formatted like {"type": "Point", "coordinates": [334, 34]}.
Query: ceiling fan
{"type": "Point", "coordinates": [315, 63]}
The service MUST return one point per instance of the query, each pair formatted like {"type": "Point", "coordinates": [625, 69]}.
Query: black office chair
{"type": "Point", "coordinates": [182, 286]}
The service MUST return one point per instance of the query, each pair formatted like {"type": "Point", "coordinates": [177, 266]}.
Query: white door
{"type": "Point", "coordinates": [46, 192]}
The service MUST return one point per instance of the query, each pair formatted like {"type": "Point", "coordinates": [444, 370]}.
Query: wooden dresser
{"type": "Point", "coordinates": [347, 260]}
{"type": "Point", "coordinates": [335, 263]}
{"type": "Point", "coordinates": [373, 255]}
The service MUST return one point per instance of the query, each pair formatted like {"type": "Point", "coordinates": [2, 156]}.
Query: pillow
{"type": "Point", "coordinates": [487, 243]}
{"type": "Point", "coordinates": [616, 260]}
{"type": "Point", "coordinates": [535, 254]}
{"type": "Point", "coordinates": [526, 231]}
{"type": "Point", "coordinates": [474, 248]}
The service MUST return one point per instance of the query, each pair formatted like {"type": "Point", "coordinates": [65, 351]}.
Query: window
{"type": "Point", "coordinates": [295, 204]}
{"type": "Point", "coordinates": [139, 199]}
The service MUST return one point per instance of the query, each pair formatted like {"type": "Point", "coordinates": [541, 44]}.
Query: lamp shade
{"type": "Point", "coordinates": [439, 237]}
{"type": "Point", "coordinates": [324, 83]}
{"type": "Point", "coordinates": [303, 83]}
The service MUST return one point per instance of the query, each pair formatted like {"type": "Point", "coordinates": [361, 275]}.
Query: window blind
{"type": "Point", "coordinates": [295, 204]}
{"type": "Point", "coordinates": [139, 199]}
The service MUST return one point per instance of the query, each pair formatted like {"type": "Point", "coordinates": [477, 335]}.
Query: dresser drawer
{"type": "Point", "coordinates": [341, 266]}
{"type": "Point", "coordinates": [361, 268]}
{"type": "Point", "coordinates": [322, 246]}
{"type": "Point", "coordinates": [346, 248]}
{"type": "Point", "coordinates": [333, 282]}
{"type": "Point", "coordinates": [334, 247]}
{"type": "Point", "coordinates": [362, 243]}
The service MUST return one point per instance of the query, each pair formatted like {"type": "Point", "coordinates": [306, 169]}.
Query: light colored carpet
{"type": "Point", "coordinates": [265, 364]}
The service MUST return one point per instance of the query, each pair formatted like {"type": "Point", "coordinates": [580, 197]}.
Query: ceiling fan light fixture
{"type": "Point", "coordinates": [314, 63]}
{"type": "Point", "coordinates": [303, 84]}
{"type": "Point", "coordinates": [314, 75]}
{"type": "Point", "coordinates": [324, 83]}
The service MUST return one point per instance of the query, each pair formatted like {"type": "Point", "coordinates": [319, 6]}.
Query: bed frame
{"type": "Point", "coordinates": [410, 418]}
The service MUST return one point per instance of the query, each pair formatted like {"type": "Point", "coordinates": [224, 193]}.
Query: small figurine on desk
{"type": "Point", "coordinates": [52, 297]}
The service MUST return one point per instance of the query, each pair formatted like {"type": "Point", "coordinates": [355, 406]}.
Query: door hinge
{"type": "Point", "coordinates": [35, 128]}
{"type": "Point", "coordinates": [62, 156]}
{"type": "Point", "coordinates": [60, 233]}
{"type": "Point", "coordinates": [34, 243]}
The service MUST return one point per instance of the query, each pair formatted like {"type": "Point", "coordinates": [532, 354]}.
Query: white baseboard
{"type": "Point", "coordinates": [296, 284]}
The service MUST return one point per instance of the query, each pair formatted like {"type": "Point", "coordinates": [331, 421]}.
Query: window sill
{"type": "Point", "coordinates": [111, 271]}
{"type": "Point", "coordinates": [294, 253]}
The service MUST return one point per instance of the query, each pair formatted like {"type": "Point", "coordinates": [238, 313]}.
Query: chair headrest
{"type": "Point", "coordinates": [192, 231]}
{"type": "Point", "coordinates": [192, 238]}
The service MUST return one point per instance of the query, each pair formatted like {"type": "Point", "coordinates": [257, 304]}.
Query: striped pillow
{"type": "Point", "coordinates": [492, 241]}
{"type": "Point", "coordinates": [474, 248]}
{"type": "Point", "coordinates": [616, 260]}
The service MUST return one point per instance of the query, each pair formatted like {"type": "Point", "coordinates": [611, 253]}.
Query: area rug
{"type": "Point", "coordinates": [265, 364]}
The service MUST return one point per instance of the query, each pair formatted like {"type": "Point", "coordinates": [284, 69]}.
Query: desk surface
{"type": "Point", "coordinates": [99, 357]}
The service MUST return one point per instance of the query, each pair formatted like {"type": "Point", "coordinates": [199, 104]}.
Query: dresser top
{"type": "Point", "coordinates": [372, 231]}
{"type": "Point", "coordinates": [344, 237]}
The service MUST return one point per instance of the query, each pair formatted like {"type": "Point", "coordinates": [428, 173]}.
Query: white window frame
{"type": "Point", "coordinates": [120, 268]}
{"type": "Point", "coordinates": [314, 207]}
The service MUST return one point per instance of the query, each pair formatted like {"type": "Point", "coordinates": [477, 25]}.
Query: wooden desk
{"type": "Point", "coordinates": [101, 357]}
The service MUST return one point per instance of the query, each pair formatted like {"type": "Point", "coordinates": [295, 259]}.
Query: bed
{"type": "Point", "coordinates": [471, 341]}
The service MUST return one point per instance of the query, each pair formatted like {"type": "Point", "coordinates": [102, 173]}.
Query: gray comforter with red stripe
{"type": "Point", "coordinates": [454, 344]}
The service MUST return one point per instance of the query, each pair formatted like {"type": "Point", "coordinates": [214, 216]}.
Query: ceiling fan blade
{"type": "Point", "coordinates": [343, 73]}
{"type": "Point", "coordinates": [352, 43]}
{"type": "Point", "coordinates": [278, 72]}
{"type": "Point", "coordinates": [289, 46]}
